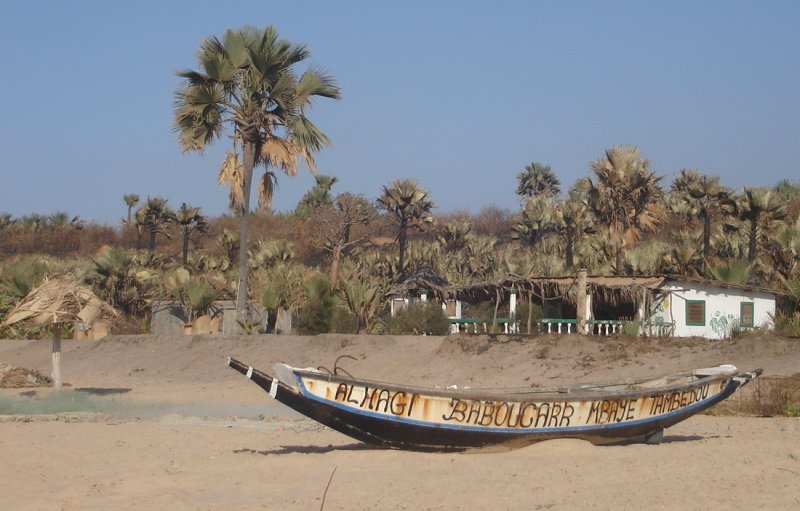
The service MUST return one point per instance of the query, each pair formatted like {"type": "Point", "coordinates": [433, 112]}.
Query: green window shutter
{"type": "Point", "coordinates": [747, 314]}
{"type": "Point", "coordinates": [696, 312]}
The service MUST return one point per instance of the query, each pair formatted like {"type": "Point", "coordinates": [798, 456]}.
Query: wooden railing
{"type": "Point", "coordinates": [598, 327]}
{"type": "Point", "coordinates": [479, 326]}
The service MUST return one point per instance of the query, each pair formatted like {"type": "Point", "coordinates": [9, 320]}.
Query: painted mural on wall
{"type": "Point", "coordinates": [722, 324]}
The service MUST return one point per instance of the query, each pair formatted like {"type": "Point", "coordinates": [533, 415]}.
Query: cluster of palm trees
{"type": "Point", "coordinates": [154, 217]}
{"type": "Point", "coordinates": [623, 221]}
{"type": "Point", "coordinates": [620, 219]}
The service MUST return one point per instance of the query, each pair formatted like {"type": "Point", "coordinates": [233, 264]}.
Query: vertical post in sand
{"type": "Point", "coordinates": [580, 302]}
{"type": "Point", "coordinates": [56, 356]}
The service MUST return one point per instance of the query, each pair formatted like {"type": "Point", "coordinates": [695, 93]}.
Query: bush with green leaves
{"type": "Point", "coordinates": [344, 321]}
{"type": "Point", "coordinates": [787, 326]}
{"type": "Point", "coordinates": [315, 317]}
{"type": "Point", "coordinates": [419, 318]}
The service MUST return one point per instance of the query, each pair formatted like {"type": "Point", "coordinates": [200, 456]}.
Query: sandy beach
{"type": "Point", "coordinates": [162, 423]}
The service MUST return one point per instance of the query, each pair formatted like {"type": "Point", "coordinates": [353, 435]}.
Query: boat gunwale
{"type": "Point", "coordinates": [567, 393]}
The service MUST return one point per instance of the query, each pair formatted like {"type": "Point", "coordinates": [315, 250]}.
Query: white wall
{"type": "Point", "coordinates": [723, 308]}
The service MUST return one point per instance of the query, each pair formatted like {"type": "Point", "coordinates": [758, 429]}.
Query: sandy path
{"type": "Point", "coordinates": [706, 463]}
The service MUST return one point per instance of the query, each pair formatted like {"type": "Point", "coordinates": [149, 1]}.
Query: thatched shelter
{"type": "Point", "coordinates": [59, 301]}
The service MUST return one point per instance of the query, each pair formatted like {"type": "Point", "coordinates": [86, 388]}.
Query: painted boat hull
{"type": "Point", "coordinates": [402, 417]}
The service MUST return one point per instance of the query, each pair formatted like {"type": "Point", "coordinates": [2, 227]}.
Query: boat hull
{"type": "Point", "coordinates": [402, 417]}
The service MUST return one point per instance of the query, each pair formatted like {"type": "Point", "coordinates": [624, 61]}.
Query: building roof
{"type": "Point", "coordinates": [605, 288]}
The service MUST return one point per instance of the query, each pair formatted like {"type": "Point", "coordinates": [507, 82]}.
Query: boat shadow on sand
{"type": "Point", "coordinates": [315, 449]}
{"type": "Point", "coordinates": [668, 439]}
{"type": "Point", "coordinates": [310, 449]}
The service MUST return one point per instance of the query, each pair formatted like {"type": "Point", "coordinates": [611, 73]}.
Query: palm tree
{"type": "Point", "coordinates": [702, 196]}
{"type": "Point", "coordinates": [228, 240]}
{"type": "Point", "coordinates": [152, 217]}
{"type": "Point", "coordinates": [408, 207]}
{"type": "Point", "coordinates": [189, 221]}
{"type": "Point", "coordinates": [456, 236]}
{"type": "Point", "coordinates": [626, 198]}
{"type": "Point", "coordinates": [362, 298]}
{"type": "Point", "coordinates": [131, 200]}
{"type": "Point", "coordinates": [248, 81]}
{"type": "Point", "coordinates": [759, 209]}
{"type": "Point", "coordinates": [733, 271]}
{"type": "Point", "coordinates": [122, 281]}
{"type": "Point", "coordinates": [319, 195]}
{"type": "Point", "coordinates": [537, 179]}
{"type": "Point", "coordinates": [572, 220]}
{"type": "Point", "coordinates": [535, 221]}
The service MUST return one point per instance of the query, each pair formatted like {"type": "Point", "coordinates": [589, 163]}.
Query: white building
{"type": "Point", "coordinates": [712, 309]}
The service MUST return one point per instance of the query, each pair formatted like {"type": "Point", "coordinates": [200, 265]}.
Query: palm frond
{"type": "Point", "coordinates": [231, 173]}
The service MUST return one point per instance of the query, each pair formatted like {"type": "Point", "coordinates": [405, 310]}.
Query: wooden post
{"type": "Point", "coordinates": [496, 308]}
{"type": "Point", "coordinates": [57, 356]}
{"type": "Point", "coordinates": [580, 302]}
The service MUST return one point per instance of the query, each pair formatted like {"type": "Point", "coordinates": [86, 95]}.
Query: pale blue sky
{"type": "Point", "coordinates": [461, 95]}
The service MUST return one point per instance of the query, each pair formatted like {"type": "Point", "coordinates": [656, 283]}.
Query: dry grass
{"type": "Point", "coordinates": [766, 396]}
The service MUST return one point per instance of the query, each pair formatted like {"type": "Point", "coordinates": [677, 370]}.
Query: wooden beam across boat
{"type": "Point", "coordinates": [427, 419]}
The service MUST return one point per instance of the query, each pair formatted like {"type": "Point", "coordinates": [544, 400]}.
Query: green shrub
{"type": "Point", "coordinates": [344, 321]}
{"type": "Point", "coordinates": [631, 328]}
{"type": "Point", "coordinates": [787, 326]}
{"type": "Point", "coordinates": [419, 318]}
{"type": "Point", "coordinates": [316, 316]}
{"type": "Point", "coordinates": [522, 316]}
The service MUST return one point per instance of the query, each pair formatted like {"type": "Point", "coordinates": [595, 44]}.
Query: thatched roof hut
{"type": "Point", "coordinates": [607, 289]}
{"type": "Point", "coordinates": [59, 300]}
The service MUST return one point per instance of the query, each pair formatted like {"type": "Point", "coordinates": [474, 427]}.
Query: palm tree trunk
{"type": "Point", "coordinates": [185, 247]}
{"type": "Point", "coordinates": [248, 162]}
{"type": "Point", "coordinates": [129, 215]}
{"type": "Point", "coordinates": [496, 308]}
{"type": "Point", "coordinates": [153, 241]}
{"type": "Point", "coordinates": [570, 251]}
{"type": "Point", "coordinates": [753, 248]}
{"type": "Point", "coordinates": [334, 275]}
{"type": "Point", "coordinates": [706, 239]}
{"type": "Point", "coordinates": [402, 240]}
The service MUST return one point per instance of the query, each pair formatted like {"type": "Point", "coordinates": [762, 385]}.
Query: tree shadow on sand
{"type": "Point", "coordinates": [310, 449]}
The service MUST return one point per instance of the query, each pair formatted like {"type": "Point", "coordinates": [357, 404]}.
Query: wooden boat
{"type": "Point", "coordinates": [427, 419]}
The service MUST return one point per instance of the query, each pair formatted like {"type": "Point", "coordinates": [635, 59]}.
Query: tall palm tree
{"type": "Point", "coordinates": [248, 81]}
{"type": "Point", "coordinates": [152, 217]}
{"type": "Point", "coordinates": [537, 179]}
{"type": "Point", "coordinates": [625, 199]}
{"type": "Point", "coordinates": [703, 196]}
{"type": "Point", "coordinates": [189, 221]}
{"type": "Point", "coordinates": [760, 210]}
{"type": "Point", "coordinates": [408, 207]}
{"type": "Point", "coordinates": [131, 200]}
